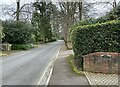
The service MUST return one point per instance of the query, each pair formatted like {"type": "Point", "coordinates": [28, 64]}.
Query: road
{"type": "Point", "coordinates": [26, 68]}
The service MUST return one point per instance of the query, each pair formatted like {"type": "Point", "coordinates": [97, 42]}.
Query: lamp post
{"type": "Point", "coordinates": [18, 7]}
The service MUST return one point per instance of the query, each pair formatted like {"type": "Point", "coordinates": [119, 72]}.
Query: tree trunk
{"type": "Point", "coordinates": [18, 7]}
{"type": "Point", "coordinates": [65, 40]}
{"type": "Point", "coordinates": [80, 10]}
{"type": "Point", "coordinates": [114, 4]}
{"type": "Point", "coordinates": [66, 44]}
{"type": "Point", "coordinates": [66, 33]}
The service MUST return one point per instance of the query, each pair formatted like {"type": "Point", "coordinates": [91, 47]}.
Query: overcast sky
{"type": "Point", "coordinates": [13, 2]}
{"type": "Point", "coordinates": [10, 2]}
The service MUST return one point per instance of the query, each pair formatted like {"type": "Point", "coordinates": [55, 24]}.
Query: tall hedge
{"type": "Point", "coordinates": [104, 37]}
{"type": "Point", "coordinates": [17, 32]}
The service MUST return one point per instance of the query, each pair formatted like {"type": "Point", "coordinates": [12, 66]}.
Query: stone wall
{"type": "Point", "coordinates": [102, 62]}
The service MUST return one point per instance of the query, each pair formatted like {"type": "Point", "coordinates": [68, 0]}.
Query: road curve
{"type": "Point", "coordinates": [26, 68]}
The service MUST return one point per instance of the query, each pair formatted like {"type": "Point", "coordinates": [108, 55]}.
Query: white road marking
{"type": "Point", "coordinates": [47, 82]}
{"type": "Point", "coordinates": [49, 66]}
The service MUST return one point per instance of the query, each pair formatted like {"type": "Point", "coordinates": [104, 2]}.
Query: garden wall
{"type": "Point", "coordinates": [102, 62]}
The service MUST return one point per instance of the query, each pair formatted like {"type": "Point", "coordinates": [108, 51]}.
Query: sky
{"type": "Point", "coordinates": [13, 2]}
{"type": "Point", "coordinates": [10, 2]}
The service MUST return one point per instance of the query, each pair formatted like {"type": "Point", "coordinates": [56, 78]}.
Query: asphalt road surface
{"type": "Point", "coordinates": [26, 68]}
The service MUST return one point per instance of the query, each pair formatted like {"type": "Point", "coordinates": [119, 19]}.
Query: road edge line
{"type": "Point", "coordinates": [44, 74]}
{"type": "Point", "coordinates": [48, 80]}
{"type": "Point", "coordinates": [48, 67]}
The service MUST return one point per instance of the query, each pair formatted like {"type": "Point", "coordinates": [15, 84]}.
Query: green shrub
{"type": "Point", "coordinates": [2, 35]}
{"type": "Point", "coordinates": [52, 40]}
{"type": "Point", "coordinates": [104, 37]}
{"type": "Point", "coordinates": [21, 46]}
{"type": "Point", "coordinates": [17, 32]}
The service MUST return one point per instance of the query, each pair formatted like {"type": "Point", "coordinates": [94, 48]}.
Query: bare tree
{"type": "Point", "coordinates": [25, 11]}
{"type": "Point", "coordinates": [67, 17]}
{"type": "Point", "coordinates": [68, 13]}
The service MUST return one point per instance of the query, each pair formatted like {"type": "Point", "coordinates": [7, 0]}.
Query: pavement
{"type": "Point", "coordinates": [102, 79]}
{"type": "Point", "coordinates": [63, 74]}
{"type": "Point", "coordinates": [27, 68]}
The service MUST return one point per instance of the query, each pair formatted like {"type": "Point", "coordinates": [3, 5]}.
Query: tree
{"type": "Point", "coordinates": [55, 22]}
{"type": "Point", "coordinates": [42, 20]}
{"type": "Point", "coordinates": [2, 35]}
{"type": "Point", "coordinates": [114, 14]}
{"type": "Point", "coordinates": [67, 13]}
{"type": "Point", "coordinates": [25, 11]}
{"type": "Point", "coordinates": [36, 26]}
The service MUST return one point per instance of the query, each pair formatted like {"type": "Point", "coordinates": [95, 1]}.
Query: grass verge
{"type": "Point", "coordinates": [73, 65]}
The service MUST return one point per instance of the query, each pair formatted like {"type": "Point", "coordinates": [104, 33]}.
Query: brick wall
{"type": "Point", "coordinates": [102, 62]}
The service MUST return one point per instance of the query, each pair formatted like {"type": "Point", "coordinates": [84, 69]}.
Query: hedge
{"type": "Point", "coordinates": [17, 32]}
{"type": "Point", "coordinates": [104, 37]}
{"type": "Point", "coordinates": [21, 46]}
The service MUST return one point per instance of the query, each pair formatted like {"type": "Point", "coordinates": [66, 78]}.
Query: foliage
{"type": "Point", "coordinates": [17, 32]}
{"type": "Point", "coordinates": [117, 11]}
{"type": "Point", "coordinates": [41, 21]}
{"type": "Point", "coordinates": [98, 37]}
{"type": "Point", "coordinates": [21, 46]}
{"type": "Point", "coordinates": [1, 32]}
{"type": "Point", "coordinates": [112, 15]}
{"type": "Point", "coordinates": [36, 26]}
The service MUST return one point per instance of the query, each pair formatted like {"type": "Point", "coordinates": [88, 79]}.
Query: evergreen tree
{"type": "Point", "coordinates": [41, 20]}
